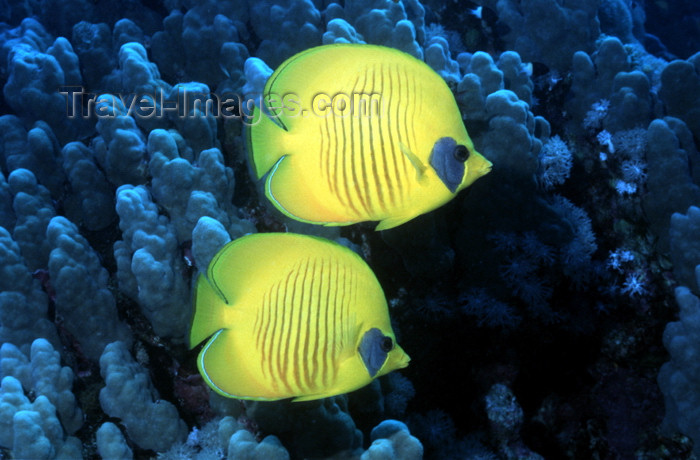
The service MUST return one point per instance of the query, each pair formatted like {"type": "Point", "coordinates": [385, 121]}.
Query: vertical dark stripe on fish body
{"type": "Point", "coordinates": [345, 154]}
{"type": "Point", "coordinates": [344, 319]}
{"type": "Point", "coordinates": [260, 331]}
{"type": "Point", "coordinates": [356, 164]}
{"type": "Point", "coordinates": [333, 173]}
{"type": "Point", "coordinates": [338, 319]}
{"type": "Point", "coordinates": [265, 335]}
{"type": "Point", "coordinates": [374, 123]}
{"type": "Point", "coordinates": [364, 155]}
{"type": "Point", "coordinates": [272, 339]}
{"type": "Point", "coordinates": [329, 346]}
{"type": "Point", "coordinates": [323, 329]}
{"type": "Point", "coordinates": [325, 154]}
{"type": "Point", "coordinates": [346, 308]}
{"type": "Point", "coordinates": [393, 127]}
{"type": "Point", "coordinates": [291, 363]}
{"type": "Point", "coordinates": [387, 139]}
{"type": "Point", "coordinates": [315, 342]}
{"type": "Point", "coordinates": [414, 102]}
{"type": "Point", "coordinates": [374, 157]}
{"type": "Point", "coordinates": [358, 151]}
{"type": "Point", "coordinates": [353, 293]}
{"type": "Point", "coordinates": [332, 142]}
{"type": "Point", "coordinates": [303, 361]}
{"type": "Point", "coordinates": [285, 336]}
{"type": "Point", "coordinates": [403, 117]}
{"type": "Point", "coordinates": [343, 160]}
{"type": "Point", "coordinates": [406, 128]}
{"type": "Point", "coordinates": [277, 308]}
{"type": "Point", "coordinates": [319, 309]}
{"type": "Point", "coordinates": [324, 349]}
{"type": "Point", "coordinates": [257, 327]}
{"type": "Point", "coordinates": [311, 343]}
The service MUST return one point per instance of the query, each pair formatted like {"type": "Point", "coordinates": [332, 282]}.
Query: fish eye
{"type": "Point", "coordinates": [386, 344]}
{"type": "Point", "coordinates": [461, 153]}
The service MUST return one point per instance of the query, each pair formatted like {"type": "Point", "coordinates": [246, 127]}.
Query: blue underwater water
{"type": "Point", "coordinates": [550, 310]}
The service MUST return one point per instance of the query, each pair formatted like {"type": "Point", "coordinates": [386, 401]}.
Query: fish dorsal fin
{"type": "Point", "coordinates": [295, 72]}
{"type": "Point", "coordinates": [415, 161]}
{"type": "Point", "coordinates": [287, 86]}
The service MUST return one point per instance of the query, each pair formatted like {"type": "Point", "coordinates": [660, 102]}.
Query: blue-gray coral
{"type": "Point", "coordinates": [37, 429]}
{"type": "Point", "coordinates": [23, 304]}
{"type": "Point", "coordinates": [111, 443]}
{"type": "Point", "coordinates": [149, 268]}
{"type": "Point", "coordinates": [129, 395]}
{"type": "Point", "coordinates": [82, 296]}
{"type": "Point", "coordinates": [679, 378]}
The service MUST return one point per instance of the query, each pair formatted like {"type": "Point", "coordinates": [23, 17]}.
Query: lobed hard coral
{"type": "Point", "coordinates": [149, 266]}
{"type": "Point", "coordinates": [42, 374]}
{"type": "Point", "coordinates": [678, 378]}
{"type": "Point", "coordinates": [80, 284]}
{"type": "Point", "coordinates": [34, 429]}
{"type": "Point", "coordinates": [130, 396]}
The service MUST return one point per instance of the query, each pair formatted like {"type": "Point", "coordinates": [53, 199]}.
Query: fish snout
{"type": "Point", "coordinates": [403, 360]}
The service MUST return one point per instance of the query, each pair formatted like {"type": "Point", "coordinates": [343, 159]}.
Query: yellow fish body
{"type": "Point", "coordinates": [353, 133]}
{"type": "Point", "coordinates": [291, 316]}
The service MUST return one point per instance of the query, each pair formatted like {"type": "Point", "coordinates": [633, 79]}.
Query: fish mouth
{"type": "Point", "coordinates": [405, 359]}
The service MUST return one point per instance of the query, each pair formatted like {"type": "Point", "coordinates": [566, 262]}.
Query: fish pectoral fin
{"type": "Point", "coordinates": [415, 161]}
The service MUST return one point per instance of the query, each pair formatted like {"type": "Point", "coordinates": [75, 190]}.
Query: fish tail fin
{"type": "Point", "coordinates": [262, 140]}
{"type": "Point", "coordinates": [208, 312]}
{"type": "Point", "coordinates": [217, 301]}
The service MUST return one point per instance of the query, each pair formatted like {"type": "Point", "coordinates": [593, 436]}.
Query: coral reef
{"type": "Point", "coordinates": [528, 304]}
{"type": "Point", "coordinates": [129, 395]}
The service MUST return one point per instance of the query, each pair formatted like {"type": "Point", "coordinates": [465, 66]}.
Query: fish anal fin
{"type": "Point", "coordinates": [392, 222]}
{"type": "Point", "coordinates": [313, 397]}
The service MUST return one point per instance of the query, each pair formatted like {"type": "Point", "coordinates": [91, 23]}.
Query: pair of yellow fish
{"type": "Point", "coordinates": [293, 316]}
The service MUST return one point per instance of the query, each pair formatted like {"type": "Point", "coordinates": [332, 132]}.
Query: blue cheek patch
{"type": "Point", "coordinates": [448, 168]}
{"type": "Point", "coordinates": [371, 351]}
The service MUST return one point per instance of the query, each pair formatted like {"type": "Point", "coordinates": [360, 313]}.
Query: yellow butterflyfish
{"type": "Point", "coordinates": [351, 133]}
{"type": "Point", "coordinates": [291, 316]}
